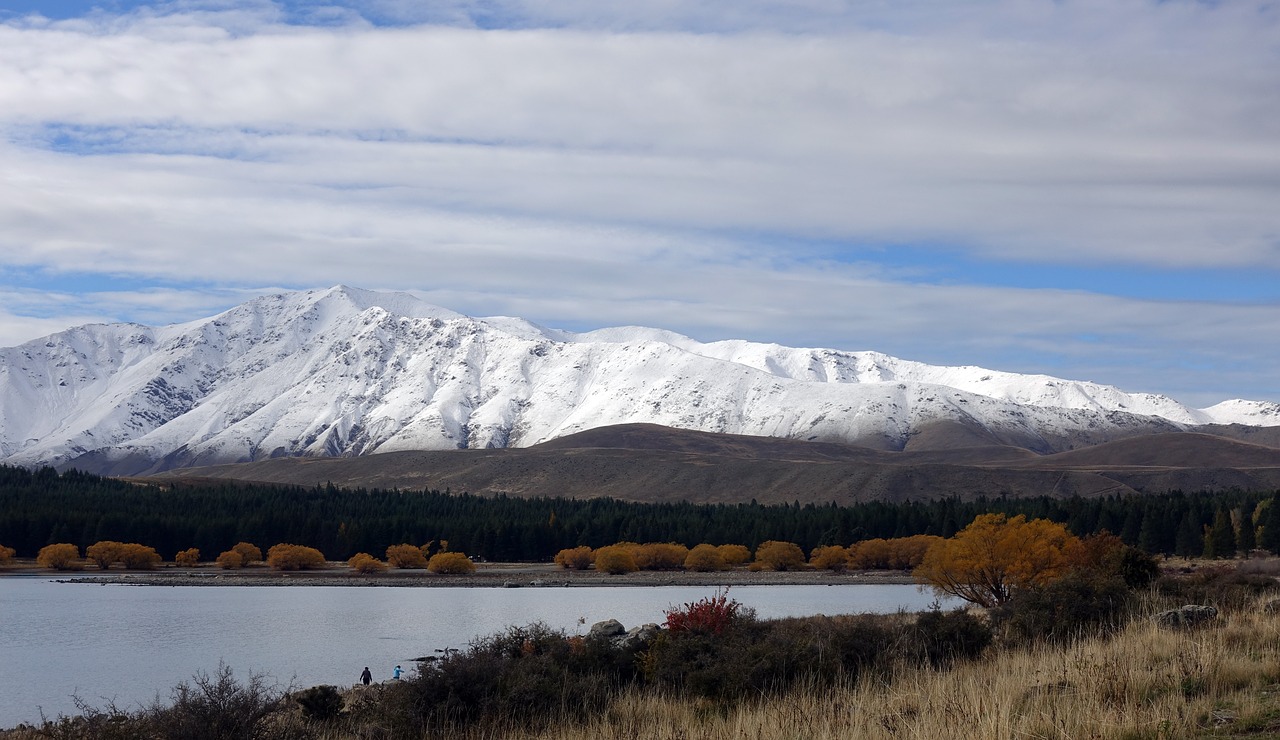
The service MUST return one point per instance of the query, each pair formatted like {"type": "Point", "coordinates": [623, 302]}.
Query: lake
{"type": "Point", "coordinates": [128, 643]}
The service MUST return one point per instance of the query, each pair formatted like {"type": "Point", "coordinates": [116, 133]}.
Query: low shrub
{"type": "Point", "coordinates": [940, 638]}
{"type": "Point", "coordinates": [1080, 605]}
{"type": "Point", "coordinates": [320, 703]}
{"type": "Point", "coordinates": [450, 563]}
{"type": "Point", "coordinates": [1225, 587]}
{"type": "Point", "coordinates": [711, 615]}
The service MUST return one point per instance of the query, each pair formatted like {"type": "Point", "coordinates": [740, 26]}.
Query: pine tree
{"type": "Point", "coordinates": [1222, 536]}
{"type": "Point", "coordinates": [1247, 539]}
{"type": "Point", "coordinates": [1188, 542]}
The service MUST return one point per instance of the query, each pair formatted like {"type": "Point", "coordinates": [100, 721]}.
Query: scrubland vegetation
{"type": "Point", "coordinates": [1066, 648]}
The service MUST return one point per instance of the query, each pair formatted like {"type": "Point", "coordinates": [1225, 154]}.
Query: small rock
{"type": "Point", "coordinates": [1186, 615]}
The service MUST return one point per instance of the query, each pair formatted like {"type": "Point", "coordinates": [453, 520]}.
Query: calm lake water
{"type": "Point", "coordinates": [128, 643]}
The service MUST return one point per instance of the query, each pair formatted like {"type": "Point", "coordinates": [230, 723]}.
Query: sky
{"type": "Point", "coordinates": [1086, 189]}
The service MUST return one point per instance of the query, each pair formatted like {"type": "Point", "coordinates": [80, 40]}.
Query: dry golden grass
{"type": "Point", "coordinates": [1148, 682]}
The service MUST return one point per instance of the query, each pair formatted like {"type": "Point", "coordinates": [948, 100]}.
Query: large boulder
{"type": "Point", "coordinates": [1187, 615]}
{"type": "Point", "coordinates": [607, 629]}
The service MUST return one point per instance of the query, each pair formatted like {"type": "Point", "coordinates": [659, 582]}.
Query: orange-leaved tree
{"type": "Point", "coordinates": [615, 559]}
{"type": "Point", "coordinates": [249, 553]}
{"type": "Point", "coordinates": [6, 554]}
{"type": "Point", "coordinates": [104, 553]}
{"type": "Point", "coordinates": [660, 556]}
{"type": "Point", "coordinates": [285, 556]}
{"type": "Point", "coordinates": [188, 557]}
{"type": "Point", "coordinates": [575, 558]}
{"type": "Point", "coordinates": [450, 563]}
{"type": "Point", "coordinates": [987, 561]}
{"type": "Point", "coordinates": [406, 556]}
{"type": "Point", "coordinates": [139, 557]}
{"type": "Point", "coordinates": [829, 557]}
{"type": "Point", "coordinates": [363, 562]}
{"type": "Point", "coordinates": [60, 556]}
{"type": "Point", "coordinates": [734, 554]}
{"type": "Point", "coordinates": [704, 558]}
{"type": "Point", "coordinates": [774, 555]}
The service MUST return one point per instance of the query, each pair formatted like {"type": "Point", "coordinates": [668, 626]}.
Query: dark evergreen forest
{"type": "Point", "coordinates": [41, 507]}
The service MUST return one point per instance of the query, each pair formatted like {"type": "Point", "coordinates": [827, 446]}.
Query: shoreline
{"type": "Point", "coordinates": [487, 575]}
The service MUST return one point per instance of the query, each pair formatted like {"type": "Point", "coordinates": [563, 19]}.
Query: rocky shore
{"type": "Point", "coordinates": [487, 575]}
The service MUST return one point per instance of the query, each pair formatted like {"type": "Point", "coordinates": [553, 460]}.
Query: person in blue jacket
{"type": "Point", "coordinates": [396, 673]}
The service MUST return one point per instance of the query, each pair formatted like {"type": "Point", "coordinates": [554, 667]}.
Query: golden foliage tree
{"type": "Point", "coordinates": [363, 562]}
{"type": "Point", "coordinates": [660, 556]}
{"type": "Point", "coordinates": [829, 557]}
{"type": "Point", "coordinates": [61, 556]}
{"type": "Point", "coordinates": [230, 560]}
{"type": "Point", "coordinates": [451, 563]}
{"type": "Point", "coordinates": [995, 556]}
{"type": "Point", "coordinates": [774, 555]}
{"type": "Point", "coordinates": [285, 556]}
{"type": "Point", "coordinates": [704, 558]}
{"type": "Point", "coordinates": [249, 553]}
{"type": "Point", "coordinates": [575, 558]}
{"type": "Point", "coordinates": [104, 552]}
{"type": "Point", "coordinates": [6, 554]}
{"type": "Point", "coordinates": [139, 557]}
{"type": "Point", "coordinates": [188, 558]}
{"type": "Point", "coordinates": [615, 559]}
{"type": "Point", "coordinates": [734, 554]}
{"type": "Point", "coordinates": [406, 556]}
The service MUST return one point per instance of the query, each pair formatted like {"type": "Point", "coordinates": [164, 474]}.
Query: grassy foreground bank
{"type": "Point", "coordinates": [719, 673]}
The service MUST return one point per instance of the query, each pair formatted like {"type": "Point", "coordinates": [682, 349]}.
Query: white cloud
{"type": "Point", "coordinates": [665, 163]}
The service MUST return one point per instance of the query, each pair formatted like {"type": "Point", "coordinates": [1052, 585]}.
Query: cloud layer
{"type": "Point", "coordinates": [724, 169]}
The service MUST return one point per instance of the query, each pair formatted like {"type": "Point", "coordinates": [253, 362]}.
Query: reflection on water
{"type": "Point", "coordinates": [126, 643]}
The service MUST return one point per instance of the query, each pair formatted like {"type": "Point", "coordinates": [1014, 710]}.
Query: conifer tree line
{"type": "Point", "coordinates": [42, 507]}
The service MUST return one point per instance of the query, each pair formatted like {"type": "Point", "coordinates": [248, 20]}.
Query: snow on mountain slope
{"type": "Point", "coordinates": [347, 372]}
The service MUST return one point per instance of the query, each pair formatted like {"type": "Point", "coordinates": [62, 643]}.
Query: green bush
{"type": "Point", "coordinates": [320, 703]}
{"type": "Point", "coordinates": [940, 638]}
{"type": "Point", "coordinates": [1077, 606]}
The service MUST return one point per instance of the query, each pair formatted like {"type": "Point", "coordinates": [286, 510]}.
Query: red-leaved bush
{"type": "Point", "coordinates": [708, 616]}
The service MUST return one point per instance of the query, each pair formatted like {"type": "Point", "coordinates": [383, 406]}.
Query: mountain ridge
{"type": "Point", "coordinates": [350, 372]}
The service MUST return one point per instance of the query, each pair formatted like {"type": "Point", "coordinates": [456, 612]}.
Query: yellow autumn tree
{"type": "Point", "coordinates": [987, 561]}
{"type": "Point", "coordinates": [188, 558]}
{"type": "Point", "coordinates": [6, 554]}
{"type": "Point", "coordinates": [249, 553]}
{"type": "Point", "coordinates": [734, 554]}
{"type": "Point", "coordinates": [363, 562]}
{"type": "Point", "coordinates": [774, 555]}
{"type": "Point", "coordinates": [575, 558]}
{"type": "Point", "coordinates": [615, 559]}
{"type": "Point", "coordinates": [451, 563]}
{"type": "Point", "coordinates": [286, 556]}
{"type": "Point", "coordinates": [59, 556]}
{"type": "Point", "coordinates": [704, 558]}
{"type": "Point", "coordinates": [406, 556]}
{"type": "Point", "coordinates": [104, 552]}
{"type": "Point", "coordinates": [136, 556]}
{"type": "Point", "coordinates": [829, 557]}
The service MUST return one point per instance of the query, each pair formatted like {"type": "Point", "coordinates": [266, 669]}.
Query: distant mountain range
{"type": "Point", "coordinates": [347, 373]}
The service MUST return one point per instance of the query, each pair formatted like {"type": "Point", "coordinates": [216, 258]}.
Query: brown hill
{"type": "Point", "coordinates": [639, 462]}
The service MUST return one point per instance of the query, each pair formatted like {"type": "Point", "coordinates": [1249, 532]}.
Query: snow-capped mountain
{"type": "Point", "coordinates": [350, 372]}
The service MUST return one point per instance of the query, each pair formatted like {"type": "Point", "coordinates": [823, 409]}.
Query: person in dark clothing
{"type": "Point", "coordinates": [366, 676]}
